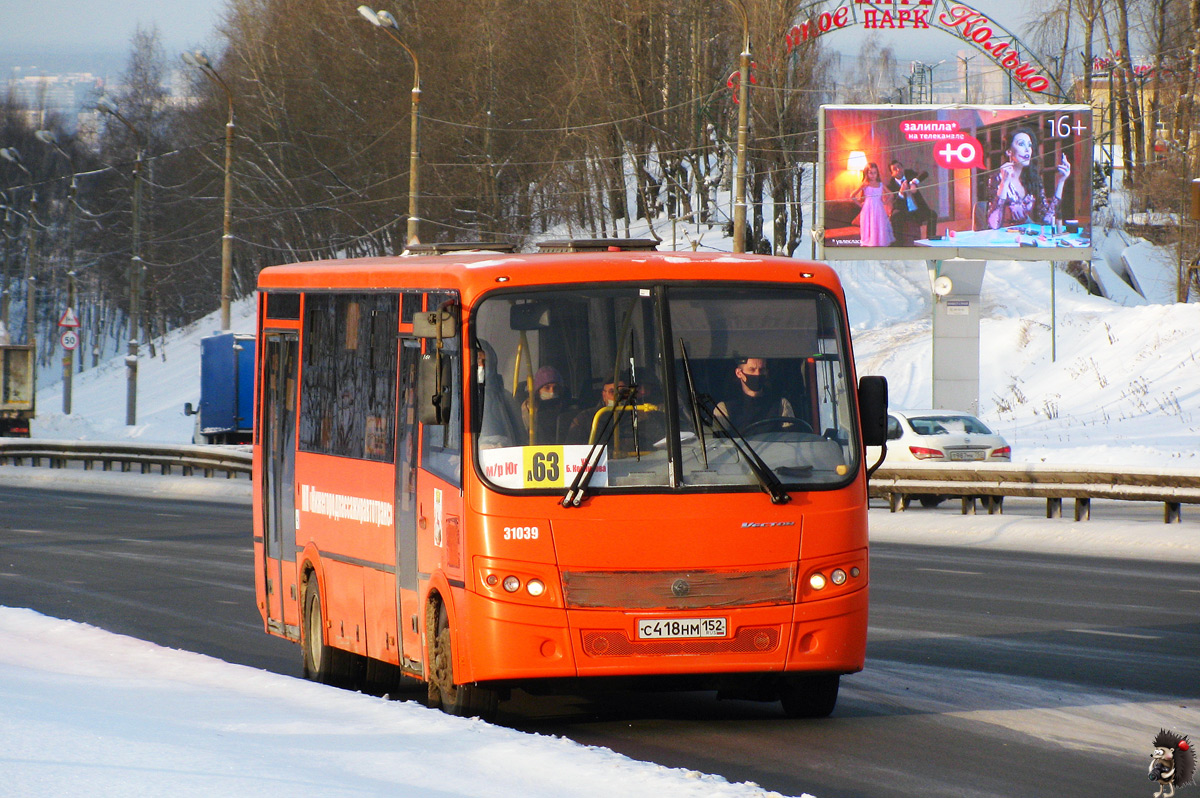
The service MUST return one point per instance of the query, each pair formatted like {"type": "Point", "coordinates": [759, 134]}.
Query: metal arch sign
{"type": "Point", "coordinates": [952, 17]}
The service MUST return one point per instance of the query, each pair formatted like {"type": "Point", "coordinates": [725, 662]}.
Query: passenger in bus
{"type": "Point", "coordinates": [500, 425]}
{"type": "Point", "coordinates": [542, 410]}
{"type": "Point", "coordinates": [651, 427]}
{"type": "Point", "coordinates": [580, 428]}
{"type": "Point", "coordinates": [755, 400]}
{"type": "Point", "coordinates": [651, 424]}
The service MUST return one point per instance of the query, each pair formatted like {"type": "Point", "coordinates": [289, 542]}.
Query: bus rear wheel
{"type": "Point", "coordinates": [466, 700]}
{"type": "Point", "coordinates": [809, 695]}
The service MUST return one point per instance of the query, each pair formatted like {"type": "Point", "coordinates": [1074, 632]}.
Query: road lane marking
{"type": "Point", "coordinates": [1103, 633]}
{"type": "Point", "coordinates": [948, 571]}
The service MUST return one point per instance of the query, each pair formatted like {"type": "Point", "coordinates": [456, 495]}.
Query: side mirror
{"type": "Point", "coordinates": [438, 324]}
{"type": "Point", "coordinates": [434, 380]}
{"type": "Point", "coordinates": [872, 410]}
{"type": "Point", "coordinates": [187, 409]}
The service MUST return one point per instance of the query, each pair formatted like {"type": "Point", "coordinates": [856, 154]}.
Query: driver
{"type": "Point", "coordinates": [755, 401]}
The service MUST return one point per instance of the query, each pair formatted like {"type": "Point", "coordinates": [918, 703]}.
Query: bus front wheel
{"type": "Point", "coordinates": [809, 695]}
{"type": "Point", "coordinates": [322, 663]}
{"type": "Point", "coordinates": [466, 700]}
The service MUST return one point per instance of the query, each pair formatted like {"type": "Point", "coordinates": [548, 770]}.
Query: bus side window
{"type": "Point", "coordinates": [441, 453]}
{"type": "Point", "coordinates": [349, 373]}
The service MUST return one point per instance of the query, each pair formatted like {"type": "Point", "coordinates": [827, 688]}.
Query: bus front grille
{"type": "Point", "coordinates": [678, 590]}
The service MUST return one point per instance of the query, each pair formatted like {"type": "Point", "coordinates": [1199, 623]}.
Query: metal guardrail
{"type": "Point", "coordinates": [991, 483]}
{"type": "Point", "coordinates": [143, 457]}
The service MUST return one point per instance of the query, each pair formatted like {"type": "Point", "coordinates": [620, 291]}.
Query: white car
{"type": "Point", "coordinates": [940, 436]}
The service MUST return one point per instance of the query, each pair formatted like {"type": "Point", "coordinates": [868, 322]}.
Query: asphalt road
{"type": "Point", "coordinates": [989, 673]}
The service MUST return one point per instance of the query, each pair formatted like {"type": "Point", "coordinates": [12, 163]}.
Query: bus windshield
{"type": "Point", "coordinates": [664, 387]}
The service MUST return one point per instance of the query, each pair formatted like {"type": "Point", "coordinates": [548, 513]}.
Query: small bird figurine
{"type": "Point", "coordinates": [1173, 762]}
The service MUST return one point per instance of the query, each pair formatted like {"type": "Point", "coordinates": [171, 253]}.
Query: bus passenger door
{"type": "Point", "coordinates": [278, 415]}
{"type": "Point", "coordinates": [408, 599]}
{"type": "Point", "coordinates": [439, 484]}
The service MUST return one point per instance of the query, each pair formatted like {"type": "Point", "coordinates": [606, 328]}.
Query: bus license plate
{"type": "Point", "coordinates": [667, 628]}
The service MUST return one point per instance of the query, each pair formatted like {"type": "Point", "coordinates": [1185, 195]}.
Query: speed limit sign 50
{"type": "Point", "coordinates": [70, 339]}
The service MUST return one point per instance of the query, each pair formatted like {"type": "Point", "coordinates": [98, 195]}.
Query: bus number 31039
{"type": "Point", "coordinates": [520, 533]}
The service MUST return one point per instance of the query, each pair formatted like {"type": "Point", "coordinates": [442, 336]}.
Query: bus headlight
{"type": "Point", "coordinates": [523, 583]}
{"type": "Point", "coordinates": [834, 576]}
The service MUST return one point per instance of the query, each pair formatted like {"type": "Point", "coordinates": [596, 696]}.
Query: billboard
{"type": "Point", "coordinates": [929, 182]}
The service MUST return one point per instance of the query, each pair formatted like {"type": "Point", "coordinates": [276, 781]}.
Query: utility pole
{"type": "Point", "coordinates": [135, 287]}
{"type": "Point", "coordinates": [4, 292]}
{"type": "Point", "coordinates": [31, 274]}
{"type": "Point", "coordinates": [107, 106]}
{"type": "Point", "coordinates": [966, 62]}
{"type": "Point", "coordinates": [200, 60]}
{"type": "Point", "coordinates": [739, 179]}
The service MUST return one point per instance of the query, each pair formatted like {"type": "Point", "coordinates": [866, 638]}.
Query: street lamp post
{"type": "Point", "coordinates": [6, 206]}
{"type": "Point", "coordinates": [107, 106]}
{"type": "Point", "coordinates": [199, 60]}
{"type": "Point", "coordinates": [13, 156]}
{"type": "Point", "coordinates": [385, 21]}
{"type": "Point", "coordinates": [739, 175]}
{"type": "Point", "coordinates": [68, 363]}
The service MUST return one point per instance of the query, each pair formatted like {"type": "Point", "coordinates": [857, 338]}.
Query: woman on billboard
{"type": "Point", "coordinates": [1017, 193]}
{"type": "Point", "coordinates": [875, 228]}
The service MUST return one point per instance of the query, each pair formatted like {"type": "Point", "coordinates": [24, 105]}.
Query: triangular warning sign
{"type": "Point", "coordinates": [68, 319]}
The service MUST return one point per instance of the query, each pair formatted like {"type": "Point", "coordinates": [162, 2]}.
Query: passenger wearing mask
{"type": "Point", "coordinates": [500, 424]}
{"type": "Point", "coordinates": [541, 410]}
{"type": "Point", "coordinates": [755, 401]}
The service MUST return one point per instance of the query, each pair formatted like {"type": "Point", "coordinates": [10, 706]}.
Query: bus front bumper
{"type": "Point", "coordinates": [508, 641]}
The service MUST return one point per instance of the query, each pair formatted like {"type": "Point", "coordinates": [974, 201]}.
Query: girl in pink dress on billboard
{"type": "Point", "coordinates": [875, 227]}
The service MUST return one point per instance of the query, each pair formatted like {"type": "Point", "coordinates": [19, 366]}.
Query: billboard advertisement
{"type": "Point", "coordinates": [1005, 182]}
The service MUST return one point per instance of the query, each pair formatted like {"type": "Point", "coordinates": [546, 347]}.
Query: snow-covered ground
{"type": "Point", "coordinates": [88, 712]}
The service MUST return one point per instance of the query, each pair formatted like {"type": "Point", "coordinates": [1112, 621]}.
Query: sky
{"type": "Point", "coordinates": [99, 32]}
{"type": "Point", "coordinates": [95, 35]}
{"type": "Point", "coordinates": [33, 25]}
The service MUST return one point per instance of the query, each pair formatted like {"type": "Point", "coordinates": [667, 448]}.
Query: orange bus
{"type": "Point", "coordinates": [492, 470]}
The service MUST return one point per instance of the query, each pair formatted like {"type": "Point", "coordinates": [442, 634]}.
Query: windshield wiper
{"type": "Point", "coordinates": [579, 485]}
{"type": "Point", "coordinates": [767, 478]}
{"type": "Point", "coordinates": [695, 401]}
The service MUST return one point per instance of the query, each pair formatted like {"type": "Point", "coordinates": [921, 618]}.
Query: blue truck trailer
{"type": "Point", "coordinates": [225, 414]}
